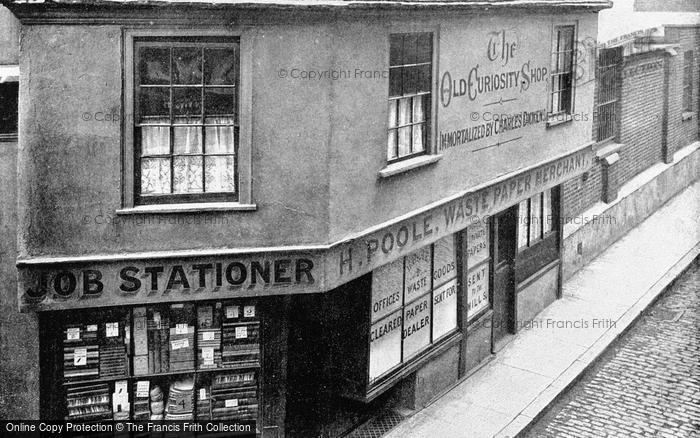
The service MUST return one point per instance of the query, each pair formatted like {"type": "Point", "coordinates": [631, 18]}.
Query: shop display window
{"type": "Point", "coordinates": [179, 361]}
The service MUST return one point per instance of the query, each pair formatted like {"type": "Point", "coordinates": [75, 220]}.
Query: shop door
{"type": "Point", "coordinates": [503, 243]}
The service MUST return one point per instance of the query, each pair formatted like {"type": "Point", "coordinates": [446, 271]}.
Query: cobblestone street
{"type": "Point", "coordinates": [648, 384]}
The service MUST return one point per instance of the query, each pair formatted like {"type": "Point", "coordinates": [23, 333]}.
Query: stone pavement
{"type": "Point", "coordinates": [599, 302]}
{"type": "Point", "coordinates": [648, 384]}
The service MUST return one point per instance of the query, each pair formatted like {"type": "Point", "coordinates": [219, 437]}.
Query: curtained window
{"type": "Point", "coordinates": [186, 120]}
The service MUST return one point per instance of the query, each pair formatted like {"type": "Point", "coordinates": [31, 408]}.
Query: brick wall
{"type": "Point", "coordinates": [682, 132]}
{"type": "Point", "coordinates": [642, 103]}
{"type": "Point", "coordinates": [641, 116]}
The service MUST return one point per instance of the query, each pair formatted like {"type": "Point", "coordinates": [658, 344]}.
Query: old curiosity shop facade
{"type": "Point", "coordinates": [288, 214]}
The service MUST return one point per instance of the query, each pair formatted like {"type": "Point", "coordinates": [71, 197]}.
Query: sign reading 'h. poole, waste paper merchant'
{"type": "Point", "coordinates": [380, 247]}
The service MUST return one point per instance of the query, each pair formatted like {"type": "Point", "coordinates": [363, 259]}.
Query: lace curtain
{"type": "Point", "coordinates": [192, 170]}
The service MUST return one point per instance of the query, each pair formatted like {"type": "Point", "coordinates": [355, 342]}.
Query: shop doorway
{"type": "Point", "coordinates": [504, 243]}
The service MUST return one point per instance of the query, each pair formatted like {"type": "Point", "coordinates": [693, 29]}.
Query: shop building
{"type": "Point", "coordinates": [288, 214]}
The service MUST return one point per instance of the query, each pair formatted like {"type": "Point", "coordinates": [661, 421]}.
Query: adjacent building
{"type": "Point", "coordinates": [295, 213]}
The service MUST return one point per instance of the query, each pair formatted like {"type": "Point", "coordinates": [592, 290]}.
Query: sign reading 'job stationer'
{"type": "Point", "coordinates": [105, 284]}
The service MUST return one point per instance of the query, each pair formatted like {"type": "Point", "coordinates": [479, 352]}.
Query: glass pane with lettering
{"type": "Point", "coordinates": [478, 245]}
{"type": "Point", "coordinates": [387, 296]}
{"type": "Point", "coordinates": [477, 290]}
{"type": "Point", "coordinates": [445, 309]}
{"type": "Point", "coordinates": [385, 345]}
{"type": "Point", "coordinates": [444, 261]}
{"type": "Point", "coordinates": [417, 274]}
{"type": "Point", "coordinates": [417, 326]}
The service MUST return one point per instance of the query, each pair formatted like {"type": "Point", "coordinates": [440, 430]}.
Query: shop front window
{"type": "Point", "coordinates": [535, 219]}
{"type": "Point", "coordinates": [414, 305]}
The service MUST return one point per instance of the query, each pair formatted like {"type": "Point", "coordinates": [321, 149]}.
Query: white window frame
{"type": "Point", "coordinates": [245, 197]}
{"type": "Point", "coordinates": [562, 116]}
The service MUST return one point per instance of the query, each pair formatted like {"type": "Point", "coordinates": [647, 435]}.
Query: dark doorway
{"type": "Point", "coordinates": [504, 242]}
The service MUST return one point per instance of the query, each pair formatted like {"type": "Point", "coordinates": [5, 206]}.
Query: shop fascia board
{"type": "Point", "coordinates": [354, 255]}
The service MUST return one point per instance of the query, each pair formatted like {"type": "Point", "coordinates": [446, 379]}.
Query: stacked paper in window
{"type": "Point", "coordinates": [240, 336]}
{"type": "Point", "coordinates": [209, 336]}
{"type": "Point", "coordinates": [182, 319]}
{"type": "Point", "coordinates": [234, 396]}
{"type": "Point", "coordinates": [140, 341]}
{"type": "Point", "coordinates": [81, 354]}
{"type": "Point", "coordinates": [88, 402]}
{"type": "Point", "coordinates": [113, 359]}
{"type": "Point", "coordinates": [181, 400]}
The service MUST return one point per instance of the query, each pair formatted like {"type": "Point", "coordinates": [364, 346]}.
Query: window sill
{"type": "Point", "coordinates": [559, 119]}
{"type": "Point", "coordinates": [687, 115]}
{"type": "Point", "coordinates": [410, 164]}
{"type": "Point", "coordinates": [195, 207]}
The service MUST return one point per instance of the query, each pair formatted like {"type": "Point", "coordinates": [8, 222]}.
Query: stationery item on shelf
{"type": "Point", "coordinates": [140, 359]}
{"type": "Point", "coordinates": [180, 400]}
{"type": "Point", "coordinates": [81, 352]}
{"type": "Point", "coordinates": [142, 406]}
{"type": "Point", "coordinates": [120, 399]}
{"type": "Point", "coordinates": [234, 396]}
{"type": "Point", "coordinates": [240, 337]}
{"type": "Point", "coordinates": [209, 336]}
{"type": "Point", "coordinates": [113, 359]}
{"type": "Point", "coordinates": [181, 353]}
{"type": "Point", "coordinates": [157, 405]}
{"type": "Point", "coordinates": [88, 402]}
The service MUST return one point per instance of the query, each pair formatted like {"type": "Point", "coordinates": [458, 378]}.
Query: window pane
{"type": "Point", "coordinates": [416, 79]}
{"type": "Point", "coordinates": [565, 96]}
{"type": "Point", "coordinates": [187, 177]}
{"type": "Point", "coordinates": [154, 102]}
{"type": "Point", "coordinates": [387, 296]}
{"type": "Point", "coordinates": [445, 309]}
{"type": "Point", "coordinates": [155, 176]}
{"type": "Point", "coordinates": [523, 223]}
{"type": "Point", "coordinates": [154, 66]}
{"type": "Point", "coordinates": [477, 290]}
{"type": "Point", "coordinates": [155, 140]}
{"type": "Point", "coordinates": [220, 174]}
{"type": "Point", "coordinates": [9, 104]}
{"type": "Point", "coordinates": [416, 329]}
{"type": "Point", "coordinates": [478, 245]}
{"type": "Point", "coordinates": [404, 111]}
{"type": "Point", "coordinates": [385, 345]}
{"type": "Point", "coordinates": [219, 66]}
{"type": "Point", "coordinates": [187, 65]}
{"type": "Point", "coordinates": [548, 219]}
{"type": "Point", "coordinates": [395, 84]}
{"type": "Point", "coordinates": [444, 260]}
{"type": "Point", "coordinates": [219, 101]}
{"type": "Point", "coordinates": [418, 109]}
{"type": "Point", "coordinates": [395, 50]}
{"type": "Point", "coordinates": [417, 274]}
{"type": "Point", "coordinates": [220, 139]}
{"type": "Point", "coordinates": [535, 218]}
{"type": "Point", "coordinates": [187, 140]}
{"type": "Point", "coordinates": [393, 113]}
{"type": "Point", "coordinates": [187, 101]}
{"type": "Point", "coordinates": [418, 145]}
{"type": "Point", "coordinates": [424, 48]}
{"type": "Point", "coordinates": [391, 145]}
{"type": "Point", "coordinates": [404, 141]}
